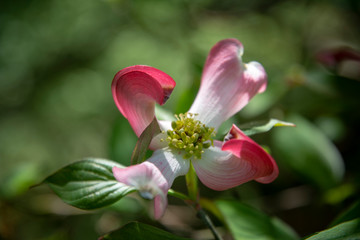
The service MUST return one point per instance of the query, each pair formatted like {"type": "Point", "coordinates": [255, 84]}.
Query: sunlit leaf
{"type": "Point", "coordinates": [88, 184]}
{"type": "Point", "coordinates": [346, 231]}
{"type": "Point", "coordinates": [246, 223]}
{"type": "Point", "coordinates": [267, 127]}
{"type": "Point", "coordinates": [144, 141]}
{"type": "Point", "coordinates": [309, 152]}
{"type": "Point", "coordinates": [140, 231]}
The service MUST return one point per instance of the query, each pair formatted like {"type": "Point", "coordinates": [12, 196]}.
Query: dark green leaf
{"type": "Point", "coordinates": [88, 184]}
{"type": "Point", "coordinates": [309, 152]}
{"type": "Point", "coordinates": [144, 141]}
{"type": "Point", "coordinates": [346, 231]}
{"type": "Point", "coordinates": [266, 127]}
{"type": "Point", "coordinates": [351, 213]}
{"type": "Point", "coordinates": [140, 231]}
{"type": "Point", "coordinates": [246, 223]}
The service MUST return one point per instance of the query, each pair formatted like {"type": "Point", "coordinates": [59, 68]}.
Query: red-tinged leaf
{"type": "Point", "coordinates": [144, 141]}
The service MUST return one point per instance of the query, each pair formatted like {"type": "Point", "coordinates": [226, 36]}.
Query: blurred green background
{"type": "Point", "coordinates": [57, 61]}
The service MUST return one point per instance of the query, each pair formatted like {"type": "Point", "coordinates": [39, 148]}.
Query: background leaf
{"type": "Point", "coordinates": [266, 127]}
{"type": "Point", "coordinates": [346, 231]}
{"type": "Point", "coordinates": [88, 184]}
{"type": "Point", "coordinates": [122, 141]}
{"type": "Point", "coordinates": [309, 152]}
{"type": "Point", "coordinates": [140, 231]}
{"type": "Point", "coordinates": [246, 223]}
{"type": "Point", "coordinates": [351, 213]}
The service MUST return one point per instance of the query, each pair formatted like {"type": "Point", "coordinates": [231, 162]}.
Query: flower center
{"type": "Point", "coordinates": [189, 135]}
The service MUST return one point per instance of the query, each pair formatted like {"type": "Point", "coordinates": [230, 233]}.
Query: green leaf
{"type": "Point", "coordinates": [346, 231]}
{"type": "Point", "coordinates": [246, 223]}
{"type": "Point", "coordinates": [309, 152]}
{"type": "Point", "coordinates": [140, 231]}
{"type": "Point", "coordinates": [144, 141]}
{"type": "Point", "coordinates": [88, 184]}
{"type": "Point", "coordinates": [349, 214]}
{"type": "Point", "coordinates": [266, 127]}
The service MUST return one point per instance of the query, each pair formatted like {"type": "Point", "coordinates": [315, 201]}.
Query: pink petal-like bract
{"type": "Point", "coordinates": [136, 89]}
{"type": "Point", "coordinates": [227, 84]}
{"type": "Point", "coordinates": [148, 179]}
{"type": "Point", "coordinates": [154, 177]}
{"type": "Point", "coordinates": [236, 161]}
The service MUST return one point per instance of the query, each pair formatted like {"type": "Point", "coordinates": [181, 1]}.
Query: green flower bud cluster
{"type": "Point", "coordinates": [189, 135]}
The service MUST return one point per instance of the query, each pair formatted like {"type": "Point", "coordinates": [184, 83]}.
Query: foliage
{"type": "Point", "coordinates": [248, 223]}
{"type": "Point", "coordinates": [139, 231]}
{"type": "Point", "coordinates": [143, 143]}
{"type": "Point", "coordinates": [57, 61]}
{"type": "Point", "coordinates": [88, 184]}
{"type": "Point", "coordinates": [346, 230]}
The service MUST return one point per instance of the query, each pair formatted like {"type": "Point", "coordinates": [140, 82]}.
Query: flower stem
{"type": "Point", "coordinates": [206, 219]}
{"type": "Point", "coordinates": [193, 191]}
{"type": "Point", "coordinates": [178, 195]}
{"type": "Point", "coordinates": [192, 184]}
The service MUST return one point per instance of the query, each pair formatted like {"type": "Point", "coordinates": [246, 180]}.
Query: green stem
{"type": "Point", "coordinates": [206, 219]}
{"type": "Point", "coordinates": [192, 184]}
{"type": "Point", "coordinates": [178, 195]}
{"type": "Point", "coordinates": [193, 199]}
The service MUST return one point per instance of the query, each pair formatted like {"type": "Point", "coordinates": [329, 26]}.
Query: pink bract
{"type": "Point", "coordinates": [227, 85]}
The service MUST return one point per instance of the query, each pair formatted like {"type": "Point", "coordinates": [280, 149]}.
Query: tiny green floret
{"type": "Point", "coordinates": [189, 135]}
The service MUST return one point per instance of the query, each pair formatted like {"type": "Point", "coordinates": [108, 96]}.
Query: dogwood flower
{"type": "Point", "coordinates": [227, 85]}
